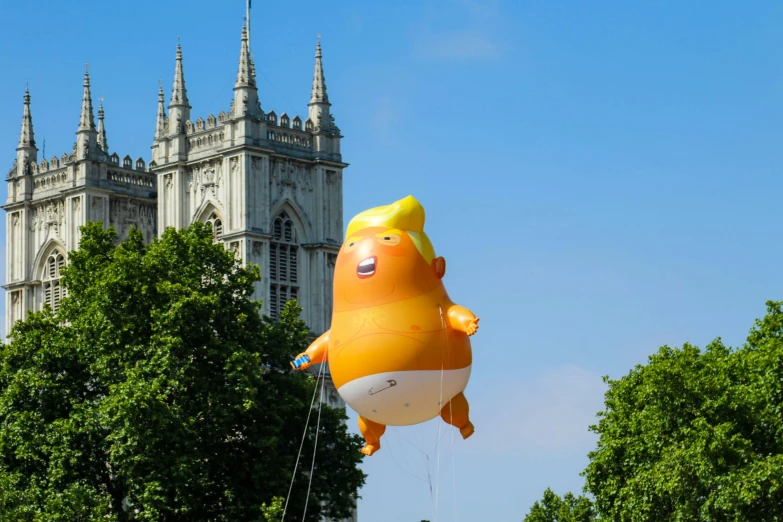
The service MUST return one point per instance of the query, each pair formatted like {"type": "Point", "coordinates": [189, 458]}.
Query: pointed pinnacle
{"type": "Point", "coordinates": [27, 137]}
{"type": "Point", "coordinates": [319, 80]}
{"type": "Point", "coordinates": [102, 141]}
{"type": "Point", "coordinates": [179, 93]}
{"type": "Point", "coordinates": [86, 118]}
{"type": "Point", "coordinates": [246, 72]}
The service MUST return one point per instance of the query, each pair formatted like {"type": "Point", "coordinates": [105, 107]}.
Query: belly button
{"type": "Point", "coordinates": [415, 327]}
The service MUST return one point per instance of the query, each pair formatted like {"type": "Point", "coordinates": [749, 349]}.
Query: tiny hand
{"type": "Point", "coordinates": [302, 362]}
{"type": "Point", "coordinates": [472, 326]}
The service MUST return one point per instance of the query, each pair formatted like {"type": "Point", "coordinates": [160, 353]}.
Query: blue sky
{"type": "Point", "coordinates": [602, 177]}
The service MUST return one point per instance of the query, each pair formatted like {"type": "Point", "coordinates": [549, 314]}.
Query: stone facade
{"type": "Point", "coordinates": [273, 185]}
{"type": "Point", "coordinates": [270, 186]}
{"type": "Point", "coordinates": [48, 202]}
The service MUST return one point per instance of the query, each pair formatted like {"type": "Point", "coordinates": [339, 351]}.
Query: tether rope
{"type": "Point", "coordinates": [453, 467]}
{"type": "Point", "coordinates": [440, 409]}
{"type": "Point", "coordinates": [304, 435]}
{"type": "Point", "coordinates": [315, 448]}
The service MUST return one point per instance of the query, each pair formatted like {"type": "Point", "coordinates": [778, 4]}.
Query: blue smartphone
{"type": "Point", "coordinates": [300, 361]}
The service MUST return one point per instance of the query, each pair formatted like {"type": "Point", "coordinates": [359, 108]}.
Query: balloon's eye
{"type": "Point", "coordinates": [351, 243]}
{"type": "Point", "coordinates": [390, 240]}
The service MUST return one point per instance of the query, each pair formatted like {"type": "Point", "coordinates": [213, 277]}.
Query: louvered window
{"type": "Point", "coordinates": [283, 264]}
{"type": "Point", "coordinates": [216, 224]}
{"type": "Point", "coordinates": [274, 301]}
{"type": "Point", "coordinates": [53, 291]}
{"type": "Point", "coordinates": [292, 264]}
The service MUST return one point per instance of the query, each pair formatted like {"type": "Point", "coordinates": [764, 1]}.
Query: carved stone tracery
{"type": "Point", "coordinates": [124, 212]}
{"type": "Point", "coordinates": [206, 178]}
{"type": "Point", "coordinates": [290, 179]}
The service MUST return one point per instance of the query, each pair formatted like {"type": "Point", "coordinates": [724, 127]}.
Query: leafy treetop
{"type": "Point", "coordinates": [159, 393]}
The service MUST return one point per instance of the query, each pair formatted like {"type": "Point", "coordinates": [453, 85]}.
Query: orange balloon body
{"type": "Point", "coordinates": [390, 323]}
{"type": "Point", "coordinates": [398, 349]}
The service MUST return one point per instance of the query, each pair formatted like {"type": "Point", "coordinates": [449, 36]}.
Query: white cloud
{"type": "Point", "coordinates": [470, 44]}
{"type": "Point", "coordinates": [467, 30]}
{"type": "Point", "coordinates": [548, 415]}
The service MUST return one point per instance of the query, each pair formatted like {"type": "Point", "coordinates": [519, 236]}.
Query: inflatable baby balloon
{"type": "Point", "coordinates": [398, 349]}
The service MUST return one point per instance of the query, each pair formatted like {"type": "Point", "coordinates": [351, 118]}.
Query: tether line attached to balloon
{"type": "Point", "coordinates": [301, 445]}
{"type": "Point", "coordinates": [451, 418]}
{"type": "Point", "coordinates": [453, 466]}
{"type": "Point", "coordinates": [440, 406]}
{"type": "Point", "coordinates": [315, 448]}
{"type": "Point", "coordinates": [405, 454]}
{"type": "Point", "coordinates": [418, 446]}
{"type": "Point", "coordinates": [426, 454]}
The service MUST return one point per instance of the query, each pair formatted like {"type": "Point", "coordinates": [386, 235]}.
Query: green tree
{"type": "Point", "coordinates": [695, 436]}
{"type": "Point", "coordinates": [158, 393]}
{"type": "Point", "coordinates": [552, 508]}
{"type": "Point", "coordinates": [273, 512]}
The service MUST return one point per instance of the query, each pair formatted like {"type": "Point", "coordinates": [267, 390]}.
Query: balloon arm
{"type": "Point", "coordinates": [462, 319]}
{"type": "Point", "coordinates": [315, 353]}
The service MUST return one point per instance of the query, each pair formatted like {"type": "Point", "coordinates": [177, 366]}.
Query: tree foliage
{"type": "Point", "coordinates": [552, 508]}
{"type": "Point", "coordinates": [695, 435]}
{"type": "Point", "coordinates": [159, 393]}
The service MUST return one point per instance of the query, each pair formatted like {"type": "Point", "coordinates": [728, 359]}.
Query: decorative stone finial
{"type": "Point", "coordinates": [26, 137]}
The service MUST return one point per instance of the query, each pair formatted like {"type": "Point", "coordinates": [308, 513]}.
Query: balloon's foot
{"type": "Point", "coordinates": [369, 449]}
{"type": "Point", "coordinates": [467, 431]}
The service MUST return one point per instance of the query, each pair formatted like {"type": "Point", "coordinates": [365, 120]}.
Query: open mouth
{"type": "Point", "coordinates": [366, 268]}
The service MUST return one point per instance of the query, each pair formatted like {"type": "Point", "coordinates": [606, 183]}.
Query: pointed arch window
{"type": "Point", "coordinates": [283, 264]}
{"type": "Point", "coordinates": [216, 224]}
{"type": "Point", "coordinates": [53, 291]}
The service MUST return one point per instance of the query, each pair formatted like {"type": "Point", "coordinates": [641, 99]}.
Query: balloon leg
{"type": "Point", "coordinates": [371, 431]}
{"type": "Point", "coordinates": [456, 412]}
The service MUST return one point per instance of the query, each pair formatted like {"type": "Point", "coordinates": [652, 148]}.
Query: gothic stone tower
{"type": "Point", "coordinates": [48, 202]}
{"type": "Point", "coordinates": [270, 185]}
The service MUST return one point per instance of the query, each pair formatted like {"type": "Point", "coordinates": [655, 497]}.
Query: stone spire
{"type": "Point", "coordinates": [86, 118]}
{"type": "Point", "coordinates": [27, 138]}
{"type": "Point", "coordinates": [245, 90]}
{"type": "Point", "coordinates": [26, 152]}
{"type": "Point", "coordinates": [319, 81]}
{"type": "Point", "coordinates": [319, 101]}
{"type": "Point", "coordinates": [86, 135]}
{"type": "Point", "coordinates": [160, 123]}
{"type": "Point", "coordinates": [103, 143]}
{"type": "Point", "coordinates": [179, 94]}
{"type": "Point", "coordinates": [245, 75]}
{"type": "Point", "coordinates": [179, 108]}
